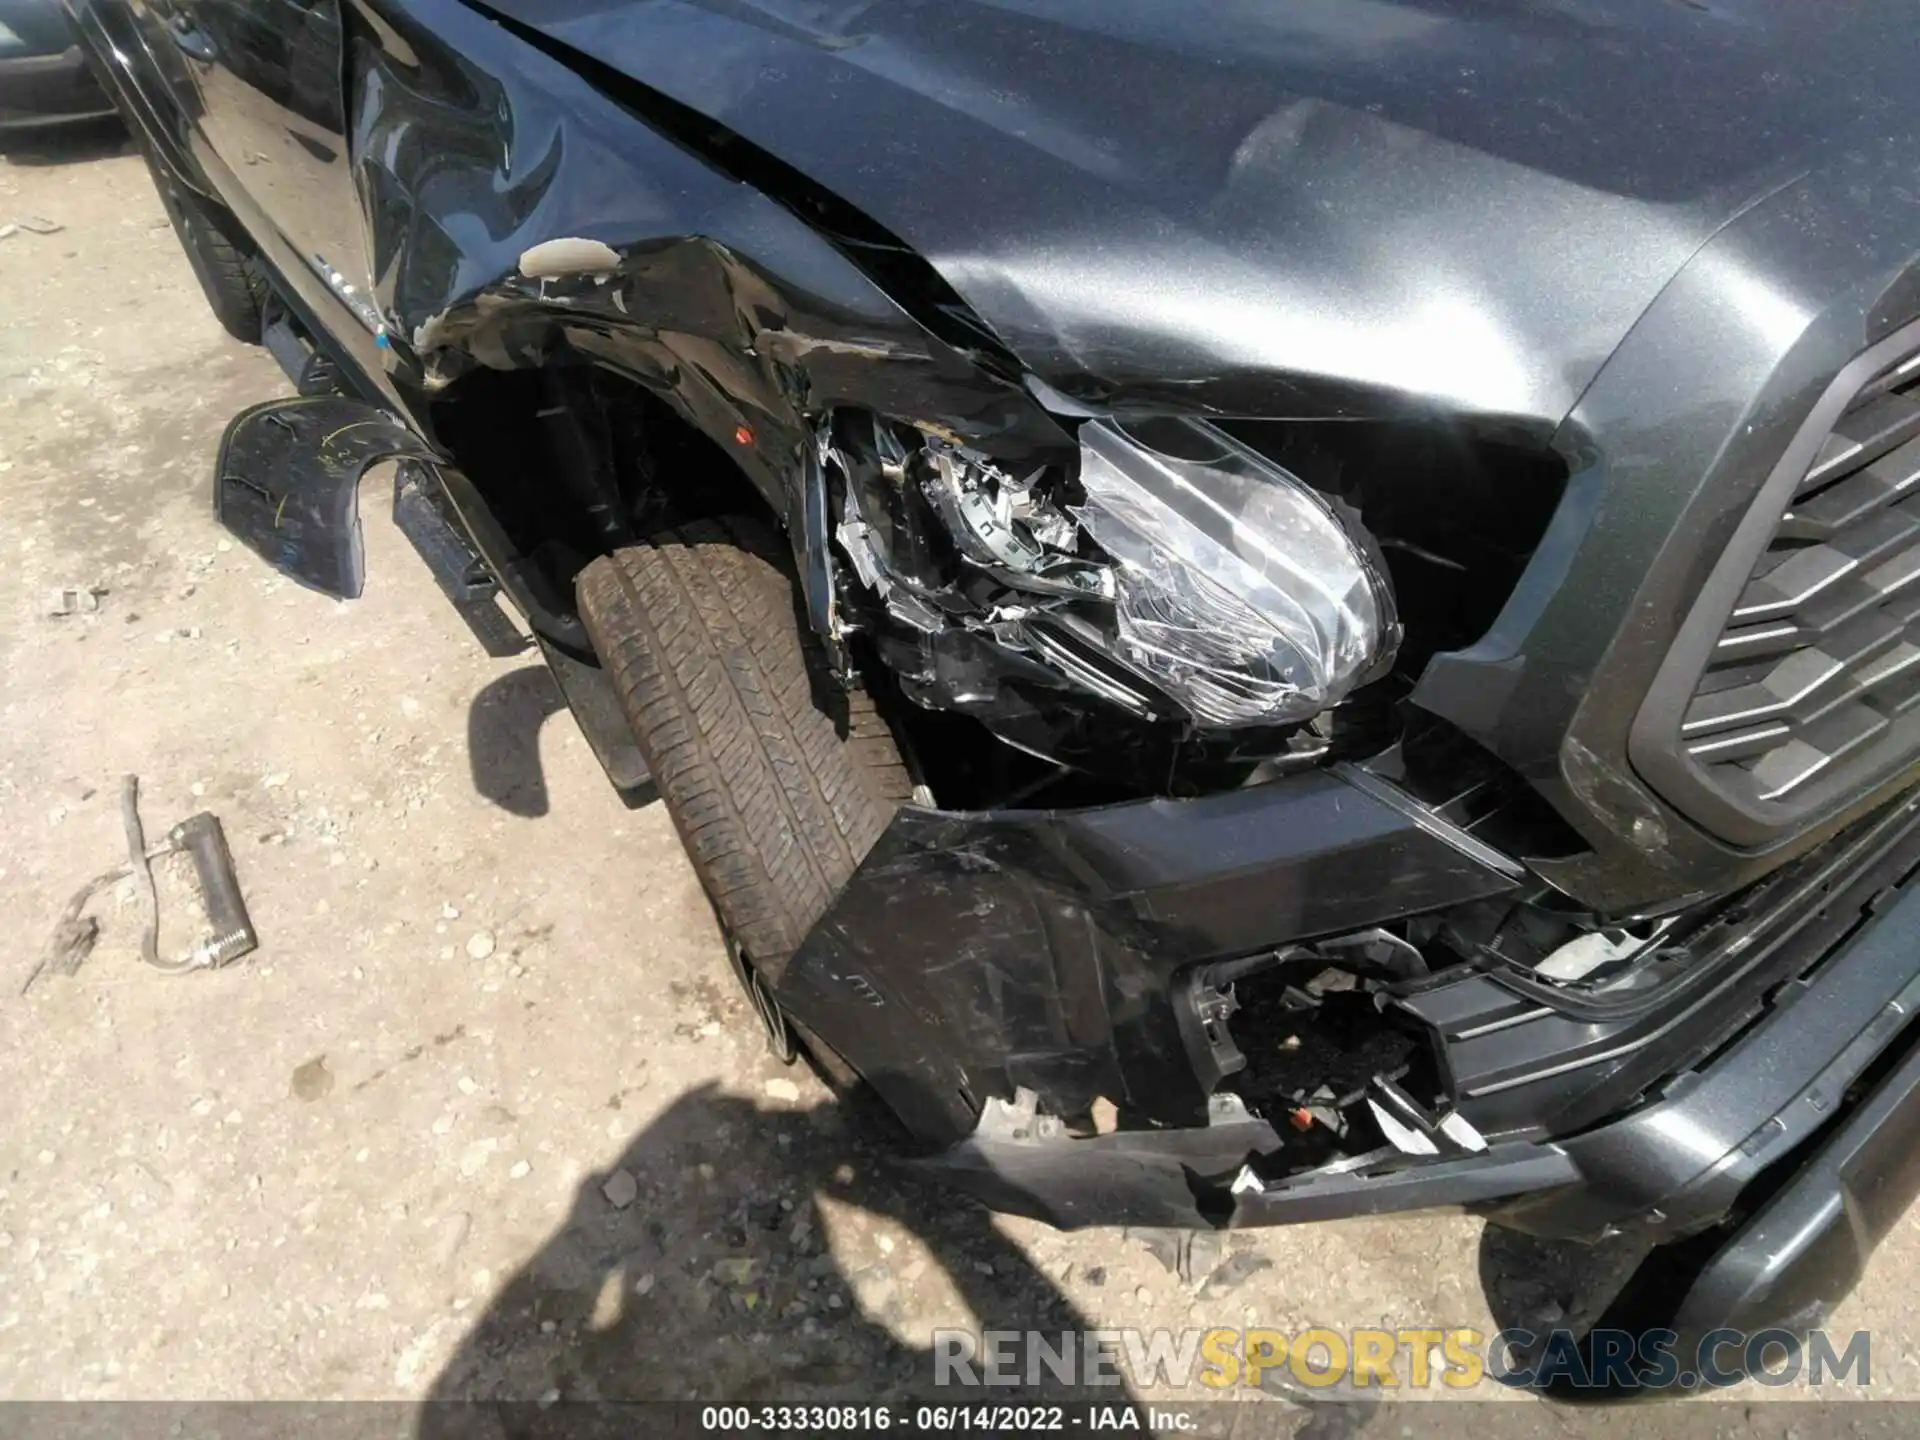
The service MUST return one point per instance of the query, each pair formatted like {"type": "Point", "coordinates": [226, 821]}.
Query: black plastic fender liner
{"type": "Point", "coordinates": [972, 955]}
{"type": "Point", "coordinates": [287, 481]}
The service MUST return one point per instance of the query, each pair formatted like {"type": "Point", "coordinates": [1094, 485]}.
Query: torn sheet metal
{"type": "Point", "coordinates": [520, 212]}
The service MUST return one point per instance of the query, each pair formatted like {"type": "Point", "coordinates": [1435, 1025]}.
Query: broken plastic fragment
{"type": "Point", "coordinates": [1457, 1128]}
{"type": "Point", "coordinates": [1403, 1137]}
{"type": "Point", "coordinates": [980, 508]}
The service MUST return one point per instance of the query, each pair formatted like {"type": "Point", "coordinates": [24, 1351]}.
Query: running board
{"type": "Point", "coordinates": [420, 513]}
{"type": "Point", "coordinates": [589, 693]}
{"type": "Point", "coordinates": [311, 372]}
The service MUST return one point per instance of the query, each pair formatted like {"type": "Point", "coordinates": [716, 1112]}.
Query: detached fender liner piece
{"type": "Point", "coordinates": [287, 484]}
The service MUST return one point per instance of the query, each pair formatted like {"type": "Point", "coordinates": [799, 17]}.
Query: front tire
{"type": "Point", "coordinates": [778, 780]}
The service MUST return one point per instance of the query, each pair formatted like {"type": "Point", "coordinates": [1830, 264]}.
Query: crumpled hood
{"type": "Point", "coordinates": [1284, 206]}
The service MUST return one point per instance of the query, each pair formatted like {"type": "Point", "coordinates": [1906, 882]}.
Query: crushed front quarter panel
{"type": "Point", "coordinates": [516, 208]}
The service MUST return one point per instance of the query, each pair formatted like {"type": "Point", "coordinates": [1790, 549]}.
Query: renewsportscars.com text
{"type": "Point", "coordinates": [1407, 1359]}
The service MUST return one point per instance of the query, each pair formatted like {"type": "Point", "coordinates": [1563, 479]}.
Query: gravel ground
{"type": "Point", "coordinates": [484, 1115]}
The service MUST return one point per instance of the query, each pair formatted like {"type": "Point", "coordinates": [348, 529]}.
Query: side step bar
{"type": "Point", "coordinates": [419, 510]}
{"type": "Point", "coordinates": [286, 483]}
{"type": "Point", "coordinates": [311, 372]}
{"type": "Point", "coordinates": [596, 708]}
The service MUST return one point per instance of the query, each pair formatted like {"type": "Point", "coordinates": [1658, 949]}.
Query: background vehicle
{"type": "Point", "coordinates": [44, 79]}
{"type": "Point", "coordinates": [1341, 648]}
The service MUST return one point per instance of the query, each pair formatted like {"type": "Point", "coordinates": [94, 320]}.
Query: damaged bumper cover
{"type": "Point", "coordinates": [997, 977]}
{"type": "Point", "coordinates": [975, 955]}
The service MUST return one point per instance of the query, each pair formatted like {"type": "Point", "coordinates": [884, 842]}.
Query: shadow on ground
{"type": "Point", "coordinates": [67, 144]}
{"type": "Point", "coordinates": [714, 1279]}
{"type": "Point", "coordinates": [503, 743]}
{"type": "Point", "coordinates": [503, 738]}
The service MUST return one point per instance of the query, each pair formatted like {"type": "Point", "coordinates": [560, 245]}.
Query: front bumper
{"type": "Point", "coordinates": [1807, 1246]}
{"type": "Point", "coordinates": [57, 89]}
{"type": "Point", "coordinates": [996, 972]}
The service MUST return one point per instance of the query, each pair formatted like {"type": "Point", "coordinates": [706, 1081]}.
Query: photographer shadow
{"type": "Point", "coordinates": [698, 1267]}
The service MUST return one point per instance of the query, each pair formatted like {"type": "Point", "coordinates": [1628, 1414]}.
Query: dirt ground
{"type": "Point", "coordinates": [484, 1114]}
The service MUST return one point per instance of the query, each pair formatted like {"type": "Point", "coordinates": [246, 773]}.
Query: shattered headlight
{"type": "Point", "coordinates": [1176, 557]}
{"type": "Point", "coordinates": [1237, 590]}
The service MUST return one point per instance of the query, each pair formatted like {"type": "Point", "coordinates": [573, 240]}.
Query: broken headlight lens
{"type": "Point", "coordinates": [1238, 589]}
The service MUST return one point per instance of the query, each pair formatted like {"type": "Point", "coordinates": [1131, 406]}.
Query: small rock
{"type": "Point", "coordinates": [466, 1084]}
{"type": "Point", "coordinates": [643, 1284]}
{"type": "Point", "coordinates": [313, 1081]}
{"type": "Point", "coordinates": [453, 1234]}
{"type": "Point", "coordinates": [275, 780]}
{"type": "Point", "coordinates": [449, 912]}
{"type": "Point", "coordinates": [621, 1191]}
{"type": "Point", "coordinates": [521, 1169]}
{"type": "Point", "coordinates": [480, 944]}
{"type": "Point", "coordinates": [783, 1089]}
{"type": "Point", "coordinates": [547, 1327]}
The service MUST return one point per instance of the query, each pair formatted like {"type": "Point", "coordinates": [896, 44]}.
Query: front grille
{"type": "Point", "coordinates": [1822, 652]}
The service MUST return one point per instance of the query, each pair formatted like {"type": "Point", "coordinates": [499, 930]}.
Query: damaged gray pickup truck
{"type": "Point", "coordinates": [1250, 612]}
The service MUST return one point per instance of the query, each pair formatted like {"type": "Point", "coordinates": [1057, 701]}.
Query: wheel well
{"type": "Point", "coordinates": [574, 461]}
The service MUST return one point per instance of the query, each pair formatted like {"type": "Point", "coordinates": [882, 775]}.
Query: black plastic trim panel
{"type": "Point", "coordinates": [1656, 745]}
